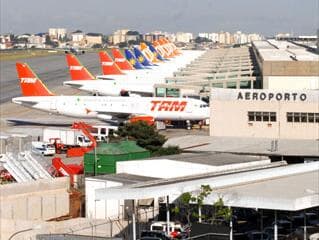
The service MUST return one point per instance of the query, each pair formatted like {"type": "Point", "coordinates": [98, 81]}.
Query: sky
{"type": "Point", "coordinates": [299, 17]}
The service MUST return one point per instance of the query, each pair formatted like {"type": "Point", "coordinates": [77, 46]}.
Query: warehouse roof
{"type": "Point", "coordinates": [265, 188]}
{"type": "Point", "coordinates": [213, 158]}
{"type": "Point", "coordinates": [122, 178]}
{"type": "Point", "coordinates": [246, 145]}
{"type": "Point", "coordinates": [273, 50]}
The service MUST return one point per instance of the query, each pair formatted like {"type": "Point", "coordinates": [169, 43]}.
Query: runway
{"type": "Point", "coordinates": [52, 70]}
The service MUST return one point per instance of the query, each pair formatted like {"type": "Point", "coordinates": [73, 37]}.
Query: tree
{"type": "Point", "coordinates": [202, 39]}
{"type": "Point", "coordinates": [122, 44]}
{"type": "Point", "coordinates": [222, 212]}
{"type": "Point", "coordinates": [186, 199]}
{"type": "Point", "coordinates": [97, 45]}
{"type": "Point", "coordinates": [48, 40]}
{"type": "Point", "coordinates": [145, 135]}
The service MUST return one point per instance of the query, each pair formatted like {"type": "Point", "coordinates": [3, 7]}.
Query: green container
{"type": "Point", "coordinates": [103, 159]}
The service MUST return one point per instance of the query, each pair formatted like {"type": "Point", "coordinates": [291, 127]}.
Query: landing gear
{"type": "Point", "coordinates": [188, 125]}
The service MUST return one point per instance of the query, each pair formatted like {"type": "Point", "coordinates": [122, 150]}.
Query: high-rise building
{"type": "Point", "coordinates": [119, 36]}
{"type": "Point", "coordinates": [57, 33]}
{"type": "Point", "coordinates": [184, 37]}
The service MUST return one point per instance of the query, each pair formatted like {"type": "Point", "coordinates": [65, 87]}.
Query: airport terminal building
{"type": "Point", "coordinates": [278, 114]}
{"type": "Point", "coordinates": [285, 65]}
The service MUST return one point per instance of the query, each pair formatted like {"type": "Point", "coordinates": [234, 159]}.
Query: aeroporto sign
{"type": "Point", "coordinates": [268, 96]}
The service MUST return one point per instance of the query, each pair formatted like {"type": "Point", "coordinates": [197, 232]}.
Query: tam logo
{"type": "Point", "coordinates": [175, 106]}
{"type": "Point", "coordinates": [107, 63]}
{"type": "Point", "coordinates": [119, 59]}
{"type": "Point", "coordinates": [76, 68]}
{"type": "Point", "coordinates": [28, 80]}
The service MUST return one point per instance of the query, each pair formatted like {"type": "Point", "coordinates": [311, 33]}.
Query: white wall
{"type": "Point", "coordinates": [164, 168]}
{"type": "Point", "coordinates": [101, 209]}
{"type": "Point", "coordinates": [291, 82]}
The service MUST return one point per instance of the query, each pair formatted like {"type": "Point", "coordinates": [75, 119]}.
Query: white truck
{"type": "Point", "coordinates": [43, 148]}
{"type": "Point", "coordinates": [68, 137]}
{"type": "Point", "coordinates": [102, 132]}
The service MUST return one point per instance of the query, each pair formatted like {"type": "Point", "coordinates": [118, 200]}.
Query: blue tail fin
{"type": "Point", "coordinates": [141, 58]}
{"type": "Point", "coordinates": [132, 59]}
{"type": "Point", "coordinates": [156, 53]}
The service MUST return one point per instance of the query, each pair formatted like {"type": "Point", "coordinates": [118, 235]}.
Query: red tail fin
{"type": "Point", "coordinates": [30, 84]}
{"type": "Point", "coordinates": [77, 70]}
{"type": "Point", "coordinates": [108, 66]}
{"type": "Point", "coordinates": [120, 60]}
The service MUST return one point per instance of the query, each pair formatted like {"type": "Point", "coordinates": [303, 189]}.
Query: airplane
{"type": "Point", "coordinates": [107, 108]}
{"type": "Point", "coordinates": [114, 83]}
{"type": "Point", "coordinates": [112, 70]}
{"type": "Point", "coordinates": [121, 86]}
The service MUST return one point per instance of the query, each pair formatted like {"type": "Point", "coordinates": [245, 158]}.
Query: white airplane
{"type": "Point", "coordinates": [83, 80]}
{"type": "Point", "coordinates": [37, 96]}
{"type": "Point", "coordinates": [139, 82]}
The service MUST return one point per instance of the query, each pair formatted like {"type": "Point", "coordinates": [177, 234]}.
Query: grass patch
{"type": "Point", "coordinates": [10, 55]}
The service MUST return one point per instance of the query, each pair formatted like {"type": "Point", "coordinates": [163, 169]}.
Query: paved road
{"type": "Point", "coordinates": [52, 70]}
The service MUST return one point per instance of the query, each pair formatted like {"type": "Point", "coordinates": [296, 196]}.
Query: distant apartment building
{"type": "Point", "coordinates": [57, 33]}
{"type": "Point", "coordinates": [153, 36]}
{"type": "Point", "coordinates": [228, 38]}
{"type": "Point", "coordinates": [118, 36]}
{"type": "Point", "coordinates": [240, 38]}
{"type": "Point", "coordinates": [93, 38]}
{"type": "Point", "coordinates": [37, 41]}
{"type": "Point", "coordinates": [132, 36]}
{"type": "Point", "coordinates": [222, 37]}
{"type": "Point", "coordinates": [184, 37]}
{"type": "Point", "coordinates": [78, 38]}
{"type": "Point", "coordinates": [204, 35]}
{"type": "Point", "coordinates": [5, 41]}
{"type": "Point", "coordinates": [282, 35]}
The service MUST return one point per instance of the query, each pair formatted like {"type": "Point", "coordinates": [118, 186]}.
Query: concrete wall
{"type": "Point", "coordinates": [81, 226]}
{"type": "Point", "coordinates": [291, 82]}
{"type": "Point", "coordinates": [38, 200]}
{"type": "Point", "coordinates": [290, 68]}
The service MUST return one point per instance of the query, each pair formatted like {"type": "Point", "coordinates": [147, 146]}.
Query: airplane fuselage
{"type": "Point", "coordinates": [106, 107]}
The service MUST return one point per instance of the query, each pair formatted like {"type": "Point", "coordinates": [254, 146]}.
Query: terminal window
{"type": "Point", "coordinates": [262, 116]}
{"type": "Point", "coordinates": [303, 117]}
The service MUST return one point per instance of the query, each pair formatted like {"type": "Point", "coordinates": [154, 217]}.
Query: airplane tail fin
{"type": "Point", "coordinates": [141, 58]}
{"type": "Point", "coordinates": [155, 52]}
{"type": "Point", "coordinates": [109, 67]}
{"type": "Point", "coordinates": [77, 70]}
{"type": "Point", "coordinates": [167, 47]}
{"type": "Point", "coordinates": [160, 49]}
{"type": "Point", "coordinates": [30, 84]}
{"type": "Point", "coordinates": [132, 59]}
{"type": "Point", "coordinates": [120, 60]}
{"type": "Point", "coordinates": [148, 53]}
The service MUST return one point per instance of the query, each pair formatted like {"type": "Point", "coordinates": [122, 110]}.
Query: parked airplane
{"type": "Point", "coordinates": [125, 82]}
{"type": "Point", "coordinates": [37, 96]}
{"type": "Point", "coordinates": [113, 83]}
